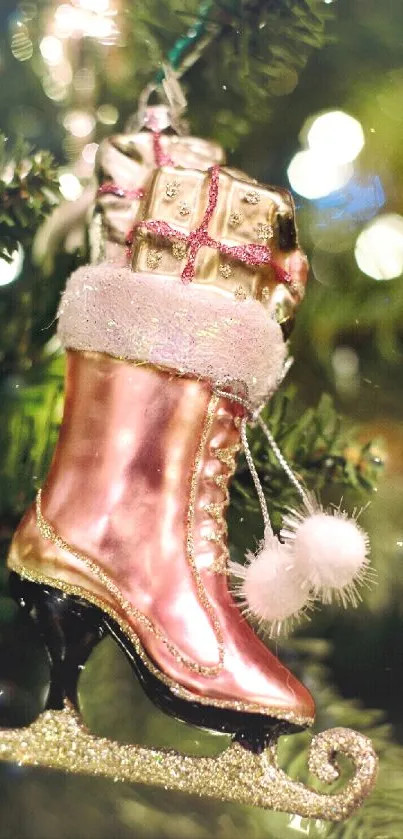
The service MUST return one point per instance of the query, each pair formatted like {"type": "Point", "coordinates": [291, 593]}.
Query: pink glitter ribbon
{"type": "Point", "coordinates": [253, 255]}
{"type": "Point", "coordinates": [110, 188]}
{"type": "Point", "coordinates": [160, 159]}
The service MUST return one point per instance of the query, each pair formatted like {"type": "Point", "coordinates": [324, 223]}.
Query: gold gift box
{"type": "Point", "coordinates": [246, 212]}
{"type": "Point", "coordinates": [128, 161]}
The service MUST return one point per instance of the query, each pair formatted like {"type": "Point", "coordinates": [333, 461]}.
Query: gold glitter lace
{"type": "Point", "coordinates": [220, 565]}
{"type": "Point", "coordinates": [226, 456]}
{"type": "Point", "coordinates": [214, 400]}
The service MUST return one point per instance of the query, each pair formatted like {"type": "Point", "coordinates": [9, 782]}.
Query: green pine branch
{"type": "Point", "coordinates": [243, 21]}
{"type": "Point", "coordinates": [31, 415]}
{"type": "Point", "coordinates": [321, 448]}
{"type": "Point", "coordinates": [240, 53]}
{"type": "Point", "coordinates": [29, 189]}
{"type": "Point", "coordinates": [382, 813]}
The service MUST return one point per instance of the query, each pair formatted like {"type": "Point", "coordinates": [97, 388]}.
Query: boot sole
{"type": "Point", "coordinates": [71, 628]}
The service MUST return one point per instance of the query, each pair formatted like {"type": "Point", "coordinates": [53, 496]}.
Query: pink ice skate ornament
{"type": "Point", "coordinates": [168, 359]}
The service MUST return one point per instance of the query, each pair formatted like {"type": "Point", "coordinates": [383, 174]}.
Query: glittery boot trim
{"type": "Point", "coordinates": [196, 330]}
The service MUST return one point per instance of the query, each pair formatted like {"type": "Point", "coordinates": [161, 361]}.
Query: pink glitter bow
{"type": "Point", "coordinates": [253, 255]}
{"type": "Point", "coordinates": [109, 188]}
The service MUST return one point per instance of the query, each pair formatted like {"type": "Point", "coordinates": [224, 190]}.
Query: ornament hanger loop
{"type": "Point", "coordinates": [167, 112]}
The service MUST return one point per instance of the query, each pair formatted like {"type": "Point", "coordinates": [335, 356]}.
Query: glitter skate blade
{"type": "Point", "coordinates": [59, 740]}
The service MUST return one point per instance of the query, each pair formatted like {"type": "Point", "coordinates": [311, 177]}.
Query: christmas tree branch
{"type": "Point", "coordinates": [320, 447]}
{"type": "Point", "coordinates": [29, 189]}
{"type": "Point", "coordinates": [333, 710]}
{"type": "Point", "coordinates": [218, 20]}
{"type": "Point", "coordinates": [237, 55]}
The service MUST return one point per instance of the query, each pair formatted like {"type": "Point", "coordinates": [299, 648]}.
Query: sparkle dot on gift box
{"type": "Point", "coordinates": [235, 219]}
{"type": "Point", "coordinates": [184, 209]}
{"type": "Point", "coordinates": [172, 189]}
{"type": "Point", "coordinates": [251, 197]}
{"type": "Point", "coordinates": [264, 231]}
{"type": "Point", "coordinates": [240, 293]}
{"type": "Point", "coordinates": [153, 259]}
{"type": "Point", "coordinates": [179, 250]}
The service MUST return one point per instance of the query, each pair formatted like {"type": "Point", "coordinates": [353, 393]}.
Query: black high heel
{"type": "Point", "coordinates": [71, 628]}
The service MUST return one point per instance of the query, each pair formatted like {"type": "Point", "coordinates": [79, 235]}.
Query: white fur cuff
{"type": "Point", "coordinates": [194, 329]}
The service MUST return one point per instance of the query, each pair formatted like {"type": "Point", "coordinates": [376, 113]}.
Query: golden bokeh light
{"type": "Point", "coordinates": [379, 247]}
{"type": "Point", "coordinates": [10, 271]}
{"type": "Point", "coordinates": [79, 123]}
{"type": "Point", "coordinates": [314, 176]}
{"type": "Point", "coordinates": [70, 186]}
{"type": "Point", "coordinates": [337, 136]}
{"type": "Point", "coordinates": [51, 50]}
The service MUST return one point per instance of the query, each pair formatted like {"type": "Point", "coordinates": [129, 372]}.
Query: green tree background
{"type": "Point", "coordinates": [265, 69]}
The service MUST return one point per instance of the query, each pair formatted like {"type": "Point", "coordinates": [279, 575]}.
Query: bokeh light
{"type": "Point", "coordinates": [28, 10]}
{"type": "Point", "coordinates": [79, 123]}
{"type": "Point", "coordinates": [89, 152]}
{"type": "Point", "coordinates": [66, 19]}
{"type": "Point", "coordinates": [359, 201]}
{"type": "Point", "coordinates": [95, 5]}
{"type": "Point", "coordinates": [51, 49]}
{"type": "Point", "coordinates": [70, 186]}
{"type": "Point", "coordinates": [21, 44]}
{"type": "Point", "coordinates": [379, 247]}
{"type": "Point", "coordinates": [26, 122]}
{"type": "Point", "coordinates": [297, 823]}
{"type": "Point", "coordinates": [337, 136]}
{"type": "Point", "coordinates": [84, 82]}
{"type": "Point", "coordinates": [10, 271]}
{"type": "Point", "coordinates": [108, 114]}
{"type": "Point", "coordinates": [54, 89]}
{"type": "Point", "coordinates": [92, 18]}
{"type": "Point", "coordinates": [346, 368]}
{"type": "Point", "coordinates": [314, 176]}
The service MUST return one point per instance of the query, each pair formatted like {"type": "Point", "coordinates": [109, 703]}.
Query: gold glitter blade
{"type": "Point", "coordinates": [58, 740]}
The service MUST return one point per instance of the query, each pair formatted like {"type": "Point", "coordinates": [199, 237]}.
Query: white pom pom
{"type": "Point", "coordinates": [330, 552]}
{"type": "Point", "coordinates": [271, 589]}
